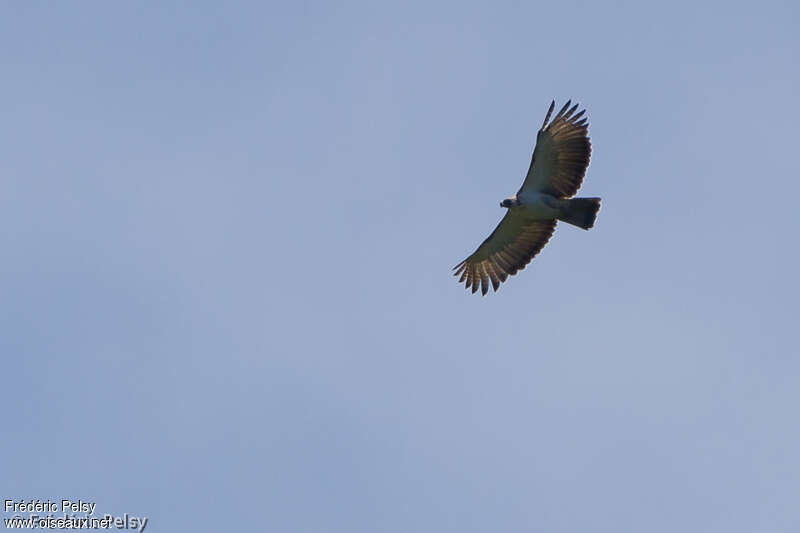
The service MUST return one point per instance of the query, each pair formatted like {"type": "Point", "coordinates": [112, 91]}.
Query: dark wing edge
{"type": "Point", "coordinates": [504, 253]}
{"type": "Point", "coordinates": [571, 147]}
{"type": "Point", "coordinates": [547, 116]}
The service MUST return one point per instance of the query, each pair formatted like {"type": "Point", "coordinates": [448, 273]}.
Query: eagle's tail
{"type": "Point", "coordinates": [580, 212]}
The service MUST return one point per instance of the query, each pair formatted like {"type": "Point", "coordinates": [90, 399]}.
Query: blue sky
{"type": "Point", "coordinates": [227, 231]}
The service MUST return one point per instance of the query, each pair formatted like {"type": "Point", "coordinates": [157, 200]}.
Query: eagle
{"type": "Point", "coordinates": [558, 165]}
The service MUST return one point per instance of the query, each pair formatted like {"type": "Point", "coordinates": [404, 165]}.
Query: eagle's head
{"type": "Point", "coordinates": [508, 202]}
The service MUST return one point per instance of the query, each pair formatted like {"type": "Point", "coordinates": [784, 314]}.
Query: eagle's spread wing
{"type": "Point", "coordinates": [561, 155]}
{"type": "Point", "coordinates": [511, 246]}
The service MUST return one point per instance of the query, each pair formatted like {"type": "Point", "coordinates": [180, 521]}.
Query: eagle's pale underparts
{"type": "Point", "coordinates": [558, 166]}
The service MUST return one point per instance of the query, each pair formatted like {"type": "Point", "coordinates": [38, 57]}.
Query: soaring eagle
{"type": "Point", "coordinates": [557, 169]}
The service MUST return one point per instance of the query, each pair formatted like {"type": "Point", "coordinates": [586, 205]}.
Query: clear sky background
{"type": "Point", "coordinates": [227, 231]}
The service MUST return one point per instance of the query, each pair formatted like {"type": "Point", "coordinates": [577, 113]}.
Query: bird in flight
{"type": "Point", "coordinates": [557, 169]}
